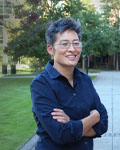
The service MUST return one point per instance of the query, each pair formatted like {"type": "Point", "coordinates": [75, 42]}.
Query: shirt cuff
{"type": "Point", "coordinates": [97, 130]}
{"type": "Point", "coordinates": [76, 129]}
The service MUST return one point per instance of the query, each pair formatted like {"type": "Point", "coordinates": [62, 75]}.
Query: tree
{"type": "Point", "coordinates": [111, 15]}
{"type": "Point", "coordinates": [95, 33]}
{"type": "Point", "coordinates": [29, 38]}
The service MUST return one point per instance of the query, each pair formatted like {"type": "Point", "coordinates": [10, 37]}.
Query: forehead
{"type": "Point", "coordinates": [69, 35]}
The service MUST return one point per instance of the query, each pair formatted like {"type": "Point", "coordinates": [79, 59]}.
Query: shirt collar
{"type": "Point", "coordinates": [77, 72]}
{"type": "Point", "coordinates": [53, 73]}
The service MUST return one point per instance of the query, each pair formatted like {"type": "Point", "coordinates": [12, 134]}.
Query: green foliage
{"type": "Point", "coordinates": [95, 33]}
{"type": "Point", "coordinates": [111, 15]}
{"type": "Point", "coordinates": [29, 39]}
{"type": "Point", "coordinates": [100, 36]}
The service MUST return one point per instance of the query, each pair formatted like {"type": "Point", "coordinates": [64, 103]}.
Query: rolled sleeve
{"type": "Point", "coordinates": [102, 126]}
{"type": "Point", "coordinates": [44, 101]}
{"type": "Point", "coordinates": [76, 128]}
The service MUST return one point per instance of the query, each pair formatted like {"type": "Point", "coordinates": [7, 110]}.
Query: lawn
{"type": "Point", "coordinates": [93, 77]}
{"type": "Point", "coordinates": [17, 125]}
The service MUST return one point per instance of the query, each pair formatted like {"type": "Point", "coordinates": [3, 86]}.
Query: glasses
{"type": "Point", "coordinates": [66, 44]}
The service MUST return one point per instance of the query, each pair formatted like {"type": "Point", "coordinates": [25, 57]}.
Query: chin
{"type": "Point", "coordinates": [69, 63]}
{"type": "Point", "coordinates": [72, 64]}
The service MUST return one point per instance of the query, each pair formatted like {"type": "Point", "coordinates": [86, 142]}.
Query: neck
{"type": "Point", "coordinates": [65, 71]}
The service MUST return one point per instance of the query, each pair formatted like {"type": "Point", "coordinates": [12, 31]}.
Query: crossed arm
{"type": "Point", "coordinates": [88, 122]}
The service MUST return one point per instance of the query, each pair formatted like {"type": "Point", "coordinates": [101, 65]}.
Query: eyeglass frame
{"type": "Point", "coordinates": [69, 44]}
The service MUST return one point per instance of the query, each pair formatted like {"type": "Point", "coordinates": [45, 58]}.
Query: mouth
{"type": "Point", "coordinates": [71, 56]}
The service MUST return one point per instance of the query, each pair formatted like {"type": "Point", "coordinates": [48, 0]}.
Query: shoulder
{"type": "Point", "coordinates": [40, 78]}
{"type": "Point", "coordinates": [41, 75]}
{"type": "Point", "coordinates": [86, 76]}
{"type": "Point", "coordinates": [83, 75]}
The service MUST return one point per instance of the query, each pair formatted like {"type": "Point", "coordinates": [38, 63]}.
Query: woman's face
{"type": "Point", "coordinates": [65, 53]}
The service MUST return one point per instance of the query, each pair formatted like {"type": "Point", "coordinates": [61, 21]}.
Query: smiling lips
{"type": "Point", "coordinates": [71, 56]}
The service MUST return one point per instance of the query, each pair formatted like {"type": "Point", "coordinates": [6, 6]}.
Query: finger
{"type": "Point", "coordinates": [62, 121]}
{"type": "Point", "coordinates": [57, 110]}
{"type": "Point", "coordinates": [58, 117]}
{"type": "Point", "coordinates": [57, 114]}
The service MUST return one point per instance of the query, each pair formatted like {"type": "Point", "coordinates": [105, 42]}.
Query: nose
{"type": "Point", "coordinates": [71, 48]}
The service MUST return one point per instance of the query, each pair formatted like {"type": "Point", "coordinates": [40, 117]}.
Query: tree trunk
{"type": "Point", "coordinates": [114, 62]}
{"type": "Point", "coordinates": [117, 62]}
{"type": "Point", "coordinates": [40, 64]}
{"type": "Point", "coordinates": [83, 63]}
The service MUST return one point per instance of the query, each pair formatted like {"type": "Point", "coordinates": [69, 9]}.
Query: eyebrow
{"type": "Point", "coordinates": [68, 40]}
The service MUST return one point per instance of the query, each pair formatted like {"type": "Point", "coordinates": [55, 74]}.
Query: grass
{"type": "Point", "coordinates": [15, 75]}
{"type": "Point", "coordinates": [16, 120]}
{"type": "Point", "coordinates": [18, 73]}
{"type": "Point", "coordinates": [90, 70]}
{"type": "Point", "coordinates": [93, 77]}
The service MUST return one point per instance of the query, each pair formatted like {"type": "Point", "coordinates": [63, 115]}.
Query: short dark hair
{"type": "Point", "coordinates": [60, 26]}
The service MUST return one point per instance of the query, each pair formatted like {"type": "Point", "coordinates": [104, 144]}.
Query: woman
{"type": "Point", "coordinates": [66, 107]}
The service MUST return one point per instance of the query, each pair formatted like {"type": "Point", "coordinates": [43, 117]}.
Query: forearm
{"type": "Point", "coordinates": [90, 133]}
{"type": "Point", "coordinates": [89, 122]}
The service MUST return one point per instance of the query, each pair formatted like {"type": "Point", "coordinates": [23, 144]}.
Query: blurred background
{"type": "Point", "coordinates": [23, 24]}
{"type": "Point", "coordinates": [23, 54]}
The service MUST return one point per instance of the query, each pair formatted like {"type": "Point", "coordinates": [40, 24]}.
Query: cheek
{"type": "Point", "coordinates": [79, 51]}
{"type": "Point", "coordinates": [60, 53]}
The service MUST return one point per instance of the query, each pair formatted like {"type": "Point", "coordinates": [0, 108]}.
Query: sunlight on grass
{"type": "Point", "coordinates": [16, 119]}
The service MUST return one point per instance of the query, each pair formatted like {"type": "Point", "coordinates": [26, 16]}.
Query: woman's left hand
{"type": "Point", "coordinates": [60, 115]}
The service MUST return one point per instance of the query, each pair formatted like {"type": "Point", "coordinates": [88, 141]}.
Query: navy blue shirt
{"type": "Point", "coordinates": [51, 90]}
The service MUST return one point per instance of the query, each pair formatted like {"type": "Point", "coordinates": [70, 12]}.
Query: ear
{"type": "Point", "coordinates": [50, 49]}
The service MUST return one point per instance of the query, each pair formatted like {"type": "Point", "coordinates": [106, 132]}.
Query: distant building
{"type": "Point", "coordinates": [6, 15]}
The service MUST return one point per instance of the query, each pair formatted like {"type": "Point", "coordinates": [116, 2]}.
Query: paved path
{"type": "Point", "coordinates": [107, 85]}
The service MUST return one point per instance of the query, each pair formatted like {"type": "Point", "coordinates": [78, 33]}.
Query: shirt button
{"type": "Point", "coordinates": [74, 94]}
{"type": "Point", "coordinates": [85, 142]}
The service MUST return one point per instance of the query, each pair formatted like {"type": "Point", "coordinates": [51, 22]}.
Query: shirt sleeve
{"type": "Point", "coordinates": [44, 101]}
{"type": "Point", "coordinates": [102, 126]}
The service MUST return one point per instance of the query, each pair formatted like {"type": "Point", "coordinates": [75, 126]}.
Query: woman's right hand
{"type": "Point", "coordinates": [60, 115]}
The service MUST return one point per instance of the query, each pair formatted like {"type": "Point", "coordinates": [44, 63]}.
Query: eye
{"type": "Point", "coordinates": [64, 44]}
{"type": "Point", "coordinates": [77, 44]}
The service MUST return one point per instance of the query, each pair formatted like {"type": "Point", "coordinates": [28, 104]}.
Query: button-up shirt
{"type": "Point", "coordinates": [50, 90]}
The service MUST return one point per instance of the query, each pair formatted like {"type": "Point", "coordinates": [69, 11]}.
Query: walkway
{"type": "Point", "coordinates": [107, 85]}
